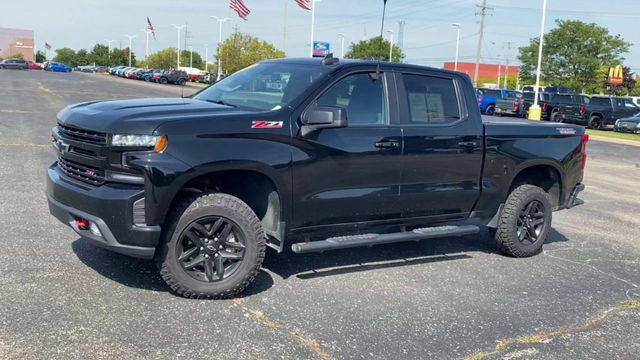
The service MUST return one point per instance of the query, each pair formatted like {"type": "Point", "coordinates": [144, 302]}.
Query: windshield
{"type": "Point", "coordinates": [265, 86]}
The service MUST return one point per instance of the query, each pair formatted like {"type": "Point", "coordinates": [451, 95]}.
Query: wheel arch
{"type": "Point", "coordinates": [543, 173]}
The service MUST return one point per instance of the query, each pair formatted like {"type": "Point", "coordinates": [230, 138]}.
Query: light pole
{"type": "Point", "coordinates": [341, 35]}
{"type": "Point", "coordinates": [220, 21]}
{"type": "Point", "coordinates": [179, 28]}
{"type": "Point", "coordinates": [109, 42]}
{"type": "Point", "coordinates": [534, 110]}
{"type": "Point", "coordinates": [206, 58]}
{"type": "Point", "coordinates": [146, 49]}
{"type": "Point", "coordinates": [390, 44]}
{"type": "Point", "coordinates": [457, 26]}
{"type": "Point", "coordinates": [190, 56]}
{"type": "Point", "coordinates": [130, 37]}
{"type": "Point", "coordinates": [313, 24]}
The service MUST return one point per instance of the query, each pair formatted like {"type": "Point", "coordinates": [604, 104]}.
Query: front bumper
{"type": "Point", "coordinates": [632, 130]}
{"type": "Point", "coordinates": [110, 207]}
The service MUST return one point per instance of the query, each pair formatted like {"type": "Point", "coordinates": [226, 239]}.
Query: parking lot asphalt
{"type": "Point", "coordinates": [63, 298]}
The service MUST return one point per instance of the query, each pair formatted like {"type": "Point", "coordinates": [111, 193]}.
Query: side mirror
{"type": "Point", "coordinates": [322, 117]}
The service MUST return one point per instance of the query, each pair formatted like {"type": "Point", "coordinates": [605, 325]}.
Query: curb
{"type": "Point", "coordinates": [614, 140]}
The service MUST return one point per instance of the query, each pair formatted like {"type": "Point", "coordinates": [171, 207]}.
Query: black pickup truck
{"type": "Point", "coordinates": [601, 111]}
{"type": "Point", "coordinates": [567, 104]}
{"type": "Point", "coordinates": [310, 155]}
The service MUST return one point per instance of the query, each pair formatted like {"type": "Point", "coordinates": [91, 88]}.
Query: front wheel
{"type": "Point", "coordinates": [555, 117]}
{"type": "Point", "coordinates": [214, 247]}
{"type": "Point", "coordinates": [163, 81]}
{"type": "Point", "coordinates": [181, 82]}
{"type": "Point", "coordinates": [525, 222]}
{"type": "Point", "coordinates": [490, 110]}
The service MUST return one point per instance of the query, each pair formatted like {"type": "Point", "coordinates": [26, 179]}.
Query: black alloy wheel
{"type": "Point", "coordinates": [531, 223]}
{"type": "Point", "coordinates": [211, 249]}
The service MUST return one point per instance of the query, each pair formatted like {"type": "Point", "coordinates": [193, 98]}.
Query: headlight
{"type": "Point", "coordinates": [156, 142]}
{"type": "Point", "coordinates": [617, 122]}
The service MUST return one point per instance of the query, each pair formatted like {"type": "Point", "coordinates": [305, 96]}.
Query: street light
{"type": "Point", "coordinates": [534, 110]}
{"type": "Point", "coordinates": [457, 26]}
{"type": "Point", "coordinates": [313, 24]}
{"type": "Point", "coordinates": [220, 21]}
{"type": "Point", "coordinates": [109, 42]}
{"type": "Point", "coordinates": [390, 44]}
{"type": "Point", "coordinates": [191, 56]}
{"type": "Point", "coordinates": [130, 37]}
{"type": "Point", "coordinates": [341, 35]}
{"type": "Point", "coordinates": [179, 28]}
{"type": "Point", "coordinates": [499, 67]}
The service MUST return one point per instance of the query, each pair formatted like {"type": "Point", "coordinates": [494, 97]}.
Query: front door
{"type": "Point", "coordinates": [351, 174]}
{"type": "Point", "coordinates": [442, 159]}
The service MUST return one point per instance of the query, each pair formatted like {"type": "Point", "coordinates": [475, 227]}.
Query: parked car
{"type": "Point", "coordinates": [114, 70]}
{"type": "Point", "coordinates": [57, 67]}
{"type": "Point", "coordinates": [508, 102]}
{"type": "Point", "coordinates": [17, 64]}
{"type": "Point", "coordinates": [147, 75]}
{"type": "Point", "coordinates": [122, 72]}
{"type": "Point", "coordinates": [527, 100]}
{"type": "Point", "coordinates": [192, 72]}
{"type": "Point", "coordinates": [629, 124]}
{"type": "Point", "coordinates": [132, 73]}
{"type": "Point", "coordinates": [86, 68]}
{"type": "Point", "coordinates": [574, 104]}
{"type": "Point", "coordinates": [206, 78]}
{"type": "Point", "coordinates": [34, 66]}
{"type": "Point", "coordinates": [486, 99]}
{"type": "Point", "coordinates": [635, 99]}
{"type": "Point", "coordinates": [137, 181]}
{"type": "Point", "coordinates": [178, 77]}
{"type": "Point", "coordinates": [603, 111]}
{"type": "Point", "coordinates": [532, 88]}
{"type": "Point", "coordinates": [558, 90]}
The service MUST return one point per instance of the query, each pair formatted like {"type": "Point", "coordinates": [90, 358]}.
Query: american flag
{"type": "Point", "coordinates": [239, 7]}
{"type": "Point", "coordinates": [151, 28]}
{"type": "Point", "coordinates": [47, 46]}
{"type": "Point", "coordinates": [305, 4]}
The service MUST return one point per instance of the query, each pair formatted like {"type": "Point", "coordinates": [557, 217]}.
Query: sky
{"type": "Point", "coordinates": [429, 37]}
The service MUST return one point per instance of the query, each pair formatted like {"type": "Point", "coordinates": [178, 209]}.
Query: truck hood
{"type": "Point", "coordinates": [139, 116]}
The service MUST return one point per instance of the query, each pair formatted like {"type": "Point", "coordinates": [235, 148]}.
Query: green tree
{"type": "Point", "coordinates": [66, 56]}
{"type": "Point", "coordinates": [121, 57]}
{"type": "Point", "coordinates": [163, 59]}
{"type": "Point", "coordinates": [82, 57]}
{"type": "Point", "coordinates": [185, 59]}
{"type": "Point", "coordinates": [241, 50]}
{"type": "Point", "coordinates": [375, 48]}
{"type": "Point", "coordinates": [99, 55]}
{"type": "Point", "coordinates": [40, 57]}
{"type": "Point", "coordinates": [573, 54]}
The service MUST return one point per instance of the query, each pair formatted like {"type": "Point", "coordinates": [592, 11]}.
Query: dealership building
{"type": "Point", "coordinates": [487, 73]}
{"type": "Point", "coordinates": [16, 41]}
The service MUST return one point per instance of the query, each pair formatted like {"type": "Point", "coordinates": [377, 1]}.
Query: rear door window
{"type": "Point", "coordinates": [431, 100]}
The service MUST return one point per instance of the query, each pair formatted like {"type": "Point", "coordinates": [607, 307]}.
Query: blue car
{"type": "Point", "coordinates": [57, 67]}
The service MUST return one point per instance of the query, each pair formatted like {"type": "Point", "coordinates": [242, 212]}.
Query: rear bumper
{"type": "Point", "coordinates": [110, 208]}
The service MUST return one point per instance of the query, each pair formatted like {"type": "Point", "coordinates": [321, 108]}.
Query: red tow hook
{"type": "Point", "coordinates": [82, 224]}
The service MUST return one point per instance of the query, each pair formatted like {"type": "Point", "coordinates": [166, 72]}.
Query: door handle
{"type": "Point", "coordinates": [387, 144]}
{"type": "Point", "coordinates": [468, 144]}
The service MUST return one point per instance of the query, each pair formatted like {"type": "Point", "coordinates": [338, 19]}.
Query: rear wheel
{"type": "Point", "coordinates": [163, 81]}
{"type": "Point", "coordinates": [595, 122]}
{"type": "Point", "coordinates": [555, 117]}
{"type": "Point", "coordinates": [181, 82]}
{"type": "Point", "coordinates": [524, 222]}
{"type": "Point", "coordinates": [490, 110]}
{"type": "Point", "coordinates": [214, 248]}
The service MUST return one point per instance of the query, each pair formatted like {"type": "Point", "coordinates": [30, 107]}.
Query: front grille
{"type": "Point", "coordinates": [89, 136]}
{"type": "Point", "coordinates": [627, 125]}
{"type": "Point", "coordinates": [81, 172]}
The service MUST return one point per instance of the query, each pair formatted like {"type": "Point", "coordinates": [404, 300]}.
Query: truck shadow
{"type": "Point", "coordinates": [143, 274]}
{"type": "Point", "coordinates": [309, 266]}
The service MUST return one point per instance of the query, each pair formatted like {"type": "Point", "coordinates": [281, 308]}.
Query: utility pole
{"type": "Point", "coordinates": [109, 42]}
{"type": "Point", "coordinates": [482, 13]}
{"type": "Point", "coordinates": [190, 56]}
{"type": "Point", "coordinates": [130, 37]}
{"type": "Point", "coordinates": [506, 71]}
{"type": "Point", "coordinates": [341, 35]}
{"type": "Point", "coordinates": [179, 28]}
{"type": "Point", "coordinates": [206, 58]}
{"type": "Point", "coordinates": [401, 24]}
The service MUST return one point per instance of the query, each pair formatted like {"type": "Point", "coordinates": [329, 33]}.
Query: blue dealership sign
{"type": "Point", "coordinates": [320, 48]}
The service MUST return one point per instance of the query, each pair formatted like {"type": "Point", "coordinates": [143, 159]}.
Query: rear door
{"type": "Point", "coordinates": [630, 108]}
{"type": "Point", "coordinates": [351, 174]}
{"type": "Point", "coordinates": [442, 147]}
{"type": "Point", "coordinates": [506, 101]}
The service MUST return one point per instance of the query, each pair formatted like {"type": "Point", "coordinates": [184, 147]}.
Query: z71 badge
{"type": "Point", "coordinates": [262, 124]}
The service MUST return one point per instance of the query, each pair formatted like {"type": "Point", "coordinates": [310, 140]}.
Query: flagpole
{"type": "Point", "coordinates": [284, 29]}
{"type": "Point", "coordinates": [313, 23]}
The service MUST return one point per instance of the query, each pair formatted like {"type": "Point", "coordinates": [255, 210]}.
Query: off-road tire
{"type": "Point", "coordinates": [181, 82]}
{"type": "Point", "coordinates": [555, 117]}
{"type": "Point", "coordinates": [163, 81]}
{"type": "Point", "coordinates": [506, 232]}
{"type": "Point", "coordinates": [595, 122]}
{"type": "Point", "coordinates": [491, 110]}
{"type": "Point", "coordinates": [197, 207]}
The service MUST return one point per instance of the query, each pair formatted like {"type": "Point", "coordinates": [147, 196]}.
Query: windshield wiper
{"type": "Point", "coordinates": [220, 102]}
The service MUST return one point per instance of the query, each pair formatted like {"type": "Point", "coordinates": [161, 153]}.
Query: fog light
{"type": "Point", "coordinates": [95, 230]}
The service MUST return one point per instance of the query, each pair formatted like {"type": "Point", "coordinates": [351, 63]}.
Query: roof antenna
{"type": "Point", "coordinates": [384, 11]}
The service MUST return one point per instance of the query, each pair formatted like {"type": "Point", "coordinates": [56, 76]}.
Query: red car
{"type": "Point", "coordinates": [34, 66]}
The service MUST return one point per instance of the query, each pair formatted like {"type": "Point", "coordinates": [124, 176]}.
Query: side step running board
{"type": "Point", "coordinates": [344, 242]}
